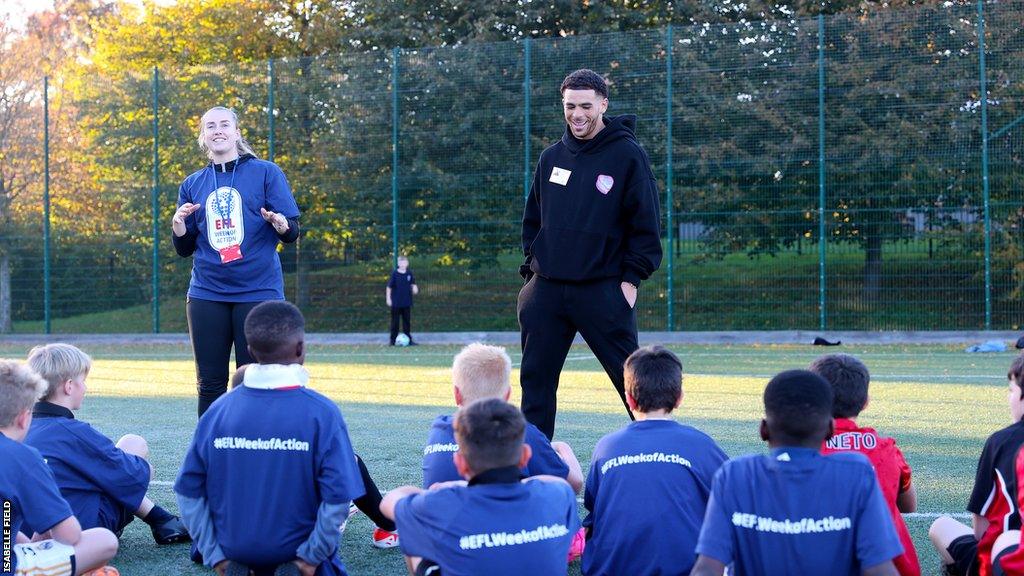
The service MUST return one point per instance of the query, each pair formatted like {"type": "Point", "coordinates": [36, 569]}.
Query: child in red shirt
{"type": "Point", "coordinates": [969, 550]}
{"type": "Point", "coordinates": [1007, 552]}
{"type": "Point", "coordinates": [849, 379]}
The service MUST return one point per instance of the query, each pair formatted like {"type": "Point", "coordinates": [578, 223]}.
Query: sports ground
{"type": "Point", "coordinates": [939, 402]}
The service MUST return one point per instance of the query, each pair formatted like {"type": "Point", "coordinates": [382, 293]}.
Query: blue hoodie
{"type": "Point", "coordinates": [235, 249]}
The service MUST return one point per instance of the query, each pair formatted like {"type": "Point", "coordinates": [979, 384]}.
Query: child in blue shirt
{"type": "Point", "coordinates": [105, 483]}
{"type": "Point", "coordinates": [398, 296]}
{"type": "Point", "coordinates": [480, 371]}
{"type": "Point", "coordinates": [59, 546]}
{"type": "Point", "coordinates": [795, 511]}
{"type": "Point", "coordinates": [267, 481]}
{"type": "Point", "coordinates": [649, 482]}
{"type": "Point", "coordinates": [496, 524]}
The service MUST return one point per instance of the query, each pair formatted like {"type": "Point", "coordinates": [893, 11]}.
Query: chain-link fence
{"type": "Point", "coordinates": [839, 172]}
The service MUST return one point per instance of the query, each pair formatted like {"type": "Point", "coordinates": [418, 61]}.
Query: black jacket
{"type": "Point", "coordinates": [605, 221]}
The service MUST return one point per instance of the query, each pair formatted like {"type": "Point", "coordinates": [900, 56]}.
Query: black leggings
{"type": "Point", "coordinates": [214, 327]}
{"type": "Point", "coordinates": [369, 503]}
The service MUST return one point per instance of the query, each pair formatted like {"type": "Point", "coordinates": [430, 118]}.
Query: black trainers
{"type": "Point", "coordinates": [171, 532]}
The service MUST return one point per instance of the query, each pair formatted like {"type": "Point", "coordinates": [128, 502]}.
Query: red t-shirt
{"type": "Point", "coordinates": [1013, 563]}
{"type": "Point", "coordinates": [994, 495]}
{"type": "Point", "coordinates": [893, 477]}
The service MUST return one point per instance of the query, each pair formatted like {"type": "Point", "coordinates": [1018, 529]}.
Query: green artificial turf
{"type": "Point", "coordinates": [937, 401]}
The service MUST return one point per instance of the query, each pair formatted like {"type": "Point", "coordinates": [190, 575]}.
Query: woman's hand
{"type": "Point", "coordinates": [275, 219]}
{"type": "Point", "coordinates": [629, 293]}
{"type": "Point", "coordinates": [183, 211]}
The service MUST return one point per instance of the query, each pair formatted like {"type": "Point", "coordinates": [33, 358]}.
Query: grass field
{"type": "Point", "coordinates": [939, 402]}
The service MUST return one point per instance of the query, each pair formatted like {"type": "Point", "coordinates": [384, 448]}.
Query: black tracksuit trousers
{"type": "Point", "coordinates": [216, 327]}
{"type": "Point", "coordinates": [405, 313]}
{"type": "Point", "coordinates": [550, 314]}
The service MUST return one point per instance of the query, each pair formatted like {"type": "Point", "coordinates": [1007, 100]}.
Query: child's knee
{"type": "Point", "coordinates": [134, 444]}
{"type": "Point", "coordinates": [101, 542]}
{"type": "Point", "coordinates": [1005, 540]}
{"type": "Point", "coordinates": [944, 530]}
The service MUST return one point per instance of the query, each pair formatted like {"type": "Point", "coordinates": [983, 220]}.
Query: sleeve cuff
{"type": "Point", "coordinates": [631, 277]}
{"type": "Point", "coordinates": [292, 233]}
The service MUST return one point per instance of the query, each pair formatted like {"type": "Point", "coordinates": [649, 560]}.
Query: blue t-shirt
{"type": "Point", "coordinates": [264, 460]}
{"type": "Point", "coordinates": [798, 512]}
{"type": "Point", "coordinates": [230, 221]}
{"type": "Point", "coordinates": [96, 478]}
{"type": "Point", "coordinates": [401, 288]}
{"type": "Point", "coordinates": [653, 476]}
{"type": "Point", "coordinates": [508, 528]}
{"type": "Point", "coordinates": [438, 465]}
{"type": "Point", "coordinates": [28, 485]}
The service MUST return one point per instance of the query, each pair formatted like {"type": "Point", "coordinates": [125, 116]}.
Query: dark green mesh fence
{"type": "Point", "coordinates": [838, 173]}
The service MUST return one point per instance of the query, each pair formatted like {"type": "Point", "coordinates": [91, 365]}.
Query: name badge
{"type": "Point", "coordinates": [560, 176]}
{"type": "Point", "coordinates": [230, 254]}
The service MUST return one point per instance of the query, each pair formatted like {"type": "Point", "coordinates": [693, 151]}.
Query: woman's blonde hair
{"type": "Point", "coordinates": [242, 145]}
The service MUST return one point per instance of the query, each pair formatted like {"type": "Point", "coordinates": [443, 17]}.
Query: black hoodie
{"type": "Point", "coordinates": [604, 221]}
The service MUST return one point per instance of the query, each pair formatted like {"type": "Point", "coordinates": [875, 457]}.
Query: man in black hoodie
{"type": "Point", "coordinates": [591, 234]}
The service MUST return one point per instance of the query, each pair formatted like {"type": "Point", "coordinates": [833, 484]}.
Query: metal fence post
{"type": "Point", "coordinates": [822, 232]}
{"type": "Point", "coordinates": [394, 156]}
{"type": "Point", "coordinates": [669, 202]}
{"type": "Point", "coordinates": [156, 200]}
{"type": "Point", "coordinates": [46, 204]}
{"type": "Point", "coordinates": [526, 117]}
{"type": "Point", "coordinates": [270, 109]}
{"type": "Point", "coordinates": [984, 165]}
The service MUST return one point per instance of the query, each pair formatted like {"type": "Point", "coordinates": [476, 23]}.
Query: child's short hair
{"type": "Point", "coordinates": [481, 371]}
{"type": "Point", "coordinates": [490, 434]}
{"type": "Point", "coordinates": [654, 378]}
{"type": "Point", "coordinates": [849, 378]}
{"type": "Point", "coordinates": [798, 403]}
{"type": "Point", "coordinates": [20, 388]}
{"type": "Point", "coordinates": [402, 257]}
{"type": "Point", "coordinates": [274, 325]}
{"type": "Point", "coordinates": [1016, 372]}
{"type": "Point", "coordinates": [57, 363]}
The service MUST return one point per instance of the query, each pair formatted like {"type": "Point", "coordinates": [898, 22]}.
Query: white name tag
{"type": "Point", "coordinates": [560, 176]}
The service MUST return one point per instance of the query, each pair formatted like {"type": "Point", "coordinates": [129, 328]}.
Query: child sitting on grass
{"type": "Point", "coordinates": [794, 510]}
{"type": "Point", "coordinates": [105, 483]}
{"type": "Point", "coordinates": [849, 378]}
{"type": "Point", "coordinates": [30, 495]}
{"type": "Point", "coordinates": [497, 524]}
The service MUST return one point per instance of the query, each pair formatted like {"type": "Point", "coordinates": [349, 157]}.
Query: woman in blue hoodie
{"type": "Point", "coordinates": [231, 215]}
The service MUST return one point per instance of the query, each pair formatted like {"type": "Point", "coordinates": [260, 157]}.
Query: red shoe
{"type": "Point", "coordinates": [579, 541]}
{"type": "Point", "coordinates": [383, 539]}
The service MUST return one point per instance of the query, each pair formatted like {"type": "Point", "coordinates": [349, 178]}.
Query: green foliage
{"type": "Point", "coordinates": [312, 83]}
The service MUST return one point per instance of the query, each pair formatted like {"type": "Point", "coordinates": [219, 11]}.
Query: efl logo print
{"type": "Point", "coordinates": [605, 183]}
{"type": "Point", "coordinates": [225, 228]}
